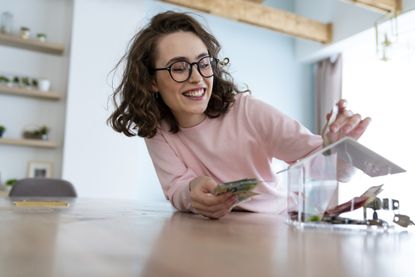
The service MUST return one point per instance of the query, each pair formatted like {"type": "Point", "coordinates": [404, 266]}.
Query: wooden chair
{"type": "Point", "coordinates": [42, 187]}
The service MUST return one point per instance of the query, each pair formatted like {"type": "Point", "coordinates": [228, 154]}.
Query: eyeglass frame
{"type": "Point", "coordinates": [190, 70]}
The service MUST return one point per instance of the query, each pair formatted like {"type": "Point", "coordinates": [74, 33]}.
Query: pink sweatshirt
{"type": "Point", "coordinates": [240, 144]}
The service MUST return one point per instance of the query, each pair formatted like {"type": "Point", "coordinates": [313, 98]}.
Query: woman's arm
{"type": "Point", "coordinates": [185, 190]}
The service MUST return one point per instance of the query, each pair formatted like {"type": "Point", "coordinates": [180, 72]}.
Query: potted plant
{"type": "Point", "coordinates": [24, 32]}
{"type": "Point", "coordinates": [39, 133]}
{"type": "Point", "coordinates": [35, 83]}
{"type": "Point", "coordinates": [2, 130]}
{"type": "Point", "coordinates": [4, 80]}
{"type": "Point", "coordinates": [16, 81]}
{"type": "Point", "coordinates": [44, 132]}
{"type": "Point", "coordinates": [41, 36]}
{"type": "Point", "coordinates": [25, 81]}
{"type": "Point", "coordinates": [9, 184]}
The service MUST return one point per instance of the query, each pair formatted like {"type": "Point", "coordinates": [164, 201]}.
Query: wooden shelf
{"type": "Point", "coordinates": [50, 95]}
{"type": "Point", "coordinates": [29, 142]}
{"type": "Point", "coordinates": [32, 44]}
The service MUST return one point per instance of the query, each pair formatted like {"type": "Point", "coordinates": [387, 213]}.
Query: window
{"type": "Point", "coordinates": [385, 91]}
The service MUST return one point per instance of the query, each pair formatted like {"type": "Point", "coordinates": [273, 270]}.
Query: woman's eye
{"type": "Point", "coordinates": [179, 67]}
{"type": "Point", "coordinates": [204, 65]}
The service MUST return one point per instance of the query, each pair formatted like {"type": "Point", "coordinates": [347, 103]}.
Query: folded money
{"type": "Point", "coordinates": [242, 189]}
{"type": "Point", "coordinates": [244, 195]}
{"type": "Point", "coordinates": [357, 202]}
{"type": "Point", "coordinates": [238, 186]}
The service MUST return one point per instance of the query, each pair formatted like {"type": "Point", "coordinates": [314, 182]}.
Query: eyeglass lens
{"type": "Point", "coordinates": [181, 71]}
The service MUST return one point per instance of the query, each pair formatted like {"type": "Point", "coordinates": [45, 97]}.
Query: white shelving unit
{"type": "Point", "coordinates": [34, 45]}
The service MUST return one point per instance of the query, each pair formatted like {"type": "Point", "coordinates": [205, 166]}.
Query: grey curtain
{"type": "Point", "coordinates": [328, 87]}
{"type": "Point", "coordinates": [328, 92]}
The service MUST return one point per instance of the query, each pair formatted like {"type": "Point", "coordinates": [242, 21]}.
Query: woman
{"type": "Point", "coordinates": [200, 130]}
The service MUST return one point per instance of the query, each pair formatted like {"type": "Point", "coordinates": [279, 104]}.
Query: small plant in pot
{"type": "Point", "coordinates": [41, 36]}
{"type": "Point", "coordinates": [4, 81]}
{"type": "Point", "coordinates": [39, 133]}
{"type": "Point", "coordinates": [44, 132]}
{"type": "Point", "coordinates": [16, 81]}
{"type": "Point", "coordinates": [25, 82]}
{"type": "Point", "coordinates": [10, 182]}
{"type": "Point", "coordinates": [35, 83]}
{"type": "Point", "coordinates": [2, 130]}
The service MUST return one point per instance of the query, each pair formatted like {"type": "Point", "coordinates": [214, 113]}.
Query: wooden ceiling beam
{"type": "Point", "coordinates": [260, 15]}
{"type": "Point", "coordinates": [383, 6]}
{"type": "Point", "coordinates": [256, 1]}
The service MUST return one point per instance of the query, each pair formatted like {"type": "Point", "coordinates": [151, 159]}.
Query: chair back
{"type": "Point", "coordinates": [42, 187]}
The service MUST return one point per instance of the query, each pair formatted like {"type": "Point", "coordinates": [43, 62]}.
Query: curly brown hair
{"type": "Point", "coordinates": [137, 111]}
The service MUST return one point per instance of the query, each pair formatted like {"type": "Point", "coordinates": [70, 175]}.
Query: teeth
{"type": "Point", "coordinates": [194, 93]}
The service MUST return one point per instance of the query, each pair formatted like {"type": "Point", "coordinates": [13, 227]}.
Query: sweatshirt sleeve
{"type": "Point", "coordinates": [285, 138]}
{"type": "Point", "coordinates": [173, 174]}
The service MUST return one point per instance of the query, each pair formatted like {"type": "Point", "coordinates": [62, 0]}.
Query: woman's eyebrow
{"type": "Point", "coordinates": [176, 59]}
{"type": "Point", "coordinates": [204, 54]}
{"type": "Point", "coordinates": [182, 58]}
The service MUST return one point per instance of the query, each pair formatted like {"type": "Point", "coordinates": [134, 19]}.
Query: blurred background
{"type": "Point", "coordinates": [359, 52]}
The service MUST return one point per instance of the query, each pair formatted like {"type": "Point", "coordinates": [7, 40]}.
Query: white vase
{"type": "Point", "coordinates": [43, 84]}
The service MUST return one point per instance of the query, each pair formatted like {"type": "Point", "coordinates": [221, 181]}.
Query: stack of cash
{"type": "Point", "coordinates": [357, 202]}
{"type": "Point", "coordinates": [241, 188]}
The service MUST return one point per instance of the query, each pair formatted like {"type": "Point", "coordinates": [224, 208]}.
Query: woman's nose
{"type": "Point", "coordinates": [195, 75]}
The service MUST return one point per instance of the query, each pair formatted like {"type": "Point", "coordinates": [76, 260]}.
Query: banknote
{"type": "Point", "coordinates": [236, 186]}
{"type": "Point", "coordinates": [244, 195]}
{"type": "Point", "coordinates": [357, 202]}
{"type": "Point", "coordinates": [372, 192]}
{"type": "Point", "coordinates": [242, 189]}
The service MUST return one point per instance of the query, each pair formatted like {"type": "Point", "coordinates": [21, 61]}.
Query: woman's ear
{"type": "Point", "coordinates": [154, 85]}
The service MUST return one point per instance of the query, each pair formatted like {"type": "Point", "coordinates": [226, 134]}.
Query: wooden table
{"type": "Point", "coordinates": [123, 238]}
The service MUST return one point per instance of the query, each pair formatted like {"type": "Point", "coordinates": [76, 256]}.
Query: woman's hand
{"type": "Point", "coordinates": [204, 202]}
{"type": "Point", "coordinates": [346, 123]}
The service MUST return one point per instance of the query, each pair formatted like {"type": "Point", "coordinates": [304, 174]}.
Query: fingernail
{"type": "Point", "coordinates": [232, 200]}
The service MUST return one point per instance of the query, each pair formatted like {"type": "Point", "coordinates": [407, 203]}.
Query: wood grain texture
{"type": "Point", "coordinates": [17, 91]}
{"type": "Point", "coordinates": [263, 16]}
{"type": "Point", "coordinates": [29, 142]}
{"type": "Point", "coordinates": [125, 238]}
{"type": "Point", "coordinates": [384, 6]}
{"type": "Point", "coordinates": [32, 44]}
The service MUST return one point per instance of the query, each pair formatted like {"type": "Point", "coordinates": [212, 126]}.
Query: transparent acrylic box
{"type": "Point", "coordinates": [315, 183]}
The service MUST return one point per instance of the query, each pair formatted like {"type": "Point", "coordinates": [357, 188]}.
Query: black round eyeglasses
{"type": "Point", "coordinates": [181, 71]}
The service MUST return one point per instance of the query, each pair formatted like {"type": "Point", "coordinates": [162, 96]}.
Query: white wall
{"type": "Point", "coordinates": [102, 163]}
{"type": "Point", "coordinates": [17, 113]}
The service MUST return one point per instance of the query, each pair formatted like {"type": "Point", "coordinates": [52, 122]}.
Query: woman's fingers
{"type": "Point", "coordinates": [209, 199]}
{"type": "Point", "coordinates": [350, 124]}
{"type": "Point", "coordinates": [342, 104]}
{"type": "Point", "coordinates": [205, 202]}
{"type": "Point", "coordinates": [345, 122]}
{"type": "Point", "coordinates": [211, 212]}
{"type": "Point", "coordinates": [223, 204]}
{"type": "Point", "coordinates": [358, 131]}
{"type": "Point", "coordinates": [211, 206]}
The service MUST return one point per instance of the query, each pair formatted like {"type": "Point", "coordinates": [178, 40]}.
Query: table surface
{"type": "Point", "coordinates": [124, 238]}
